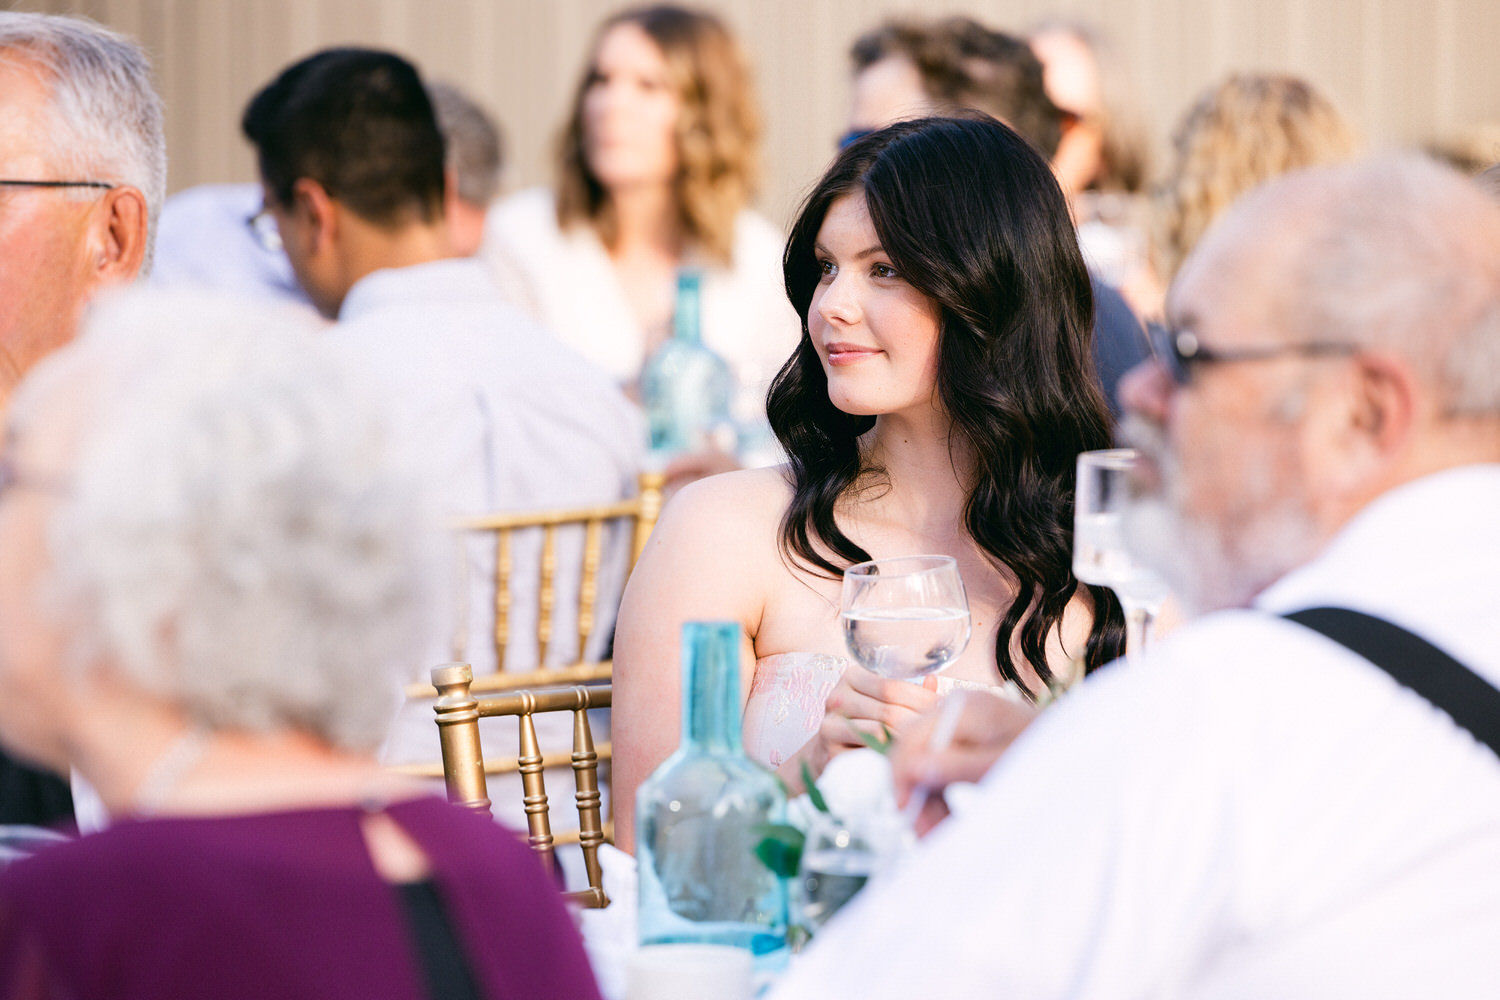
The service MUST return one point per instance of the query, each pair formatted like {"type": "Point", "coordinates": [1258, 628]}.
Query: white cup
{"type": "Point", "coordinates": [689, 972]}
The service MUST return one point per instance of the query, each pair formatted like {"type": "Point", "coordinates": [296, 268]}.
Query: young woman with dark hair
{"type": "Point", "coordinates": [936, 403]}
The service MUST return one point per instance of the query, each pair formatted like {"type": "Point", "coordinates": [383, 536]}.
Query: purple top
{"type": "Point", "coordinates": [284, 905]}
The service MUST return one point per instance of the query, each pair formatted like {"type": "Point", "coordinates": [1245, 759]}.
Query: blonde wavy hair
{"type": "Point", "coordinates": [1248, 129]}
{"type": "Point", "coordinates": [718, 132]}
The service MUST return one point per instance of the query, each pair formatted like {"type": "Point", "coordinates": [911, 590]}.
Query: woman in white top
{"type": "Point", "coordinates": [656, 167]}
{"type": "Point", "coordinates": [937, 402]}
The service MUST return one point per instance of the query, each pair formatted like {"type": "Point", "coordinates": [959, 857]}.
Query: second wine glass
{"type": "Point", "coordinates": [905, 617]}
{"type": "Point", "coordinates": [1101, 555]}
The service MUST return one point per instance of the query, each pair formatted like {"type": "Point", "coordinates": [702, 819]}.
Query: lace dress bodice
{"type": "Point", "coordinates": [786, 701]}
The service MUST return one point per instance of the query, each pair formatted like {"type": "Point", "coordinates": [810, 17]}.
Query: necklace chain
{"type": "Point", "coordinates": [168, 770]}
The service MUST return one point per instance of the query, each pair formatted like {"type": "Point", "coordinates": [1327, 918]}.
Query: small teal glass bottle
{"type": "Point", "coordinates": [699, 818]}
{"type": "Point", "coordinates": [686, 388]}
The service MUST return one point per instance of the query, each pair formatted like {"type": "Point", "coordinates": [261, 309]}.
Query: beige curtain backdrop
{"type": "Point", "coordinates": [1406, 72]}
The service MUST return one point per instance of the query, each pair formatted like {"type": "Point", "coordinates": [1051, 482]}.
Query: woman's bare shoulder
{"type": "Point", "coordinates": [747, 499]}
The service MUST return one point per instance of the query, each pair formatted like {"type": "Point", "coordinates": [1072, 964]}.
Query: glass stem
{"type": "Point", "coordinates": [1137, 632]}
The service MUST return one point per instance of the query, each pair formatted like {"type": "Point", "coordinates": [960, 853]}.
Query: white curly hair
{"type": "Point", "coordinates": [239, 533]}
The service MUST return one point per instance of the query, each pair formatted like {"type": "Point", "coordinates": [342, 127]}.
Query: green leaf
{"type": "Point", "coordinates": [880, 744]}
{"type": "Point", "coordinates": [780, 848]}
{"type": "Point", "coordinates": [813, 795]}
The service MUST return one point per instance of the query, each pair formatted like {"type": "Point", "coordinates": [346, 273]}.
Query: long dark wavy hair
{"type": "Point", "coordinates": [970, 215]}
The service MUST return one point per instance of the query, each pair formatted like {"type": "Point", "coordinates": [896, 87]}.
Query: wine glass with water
{"type": "Point", "coordinates": [1106, 484]}
{"type": "Point", "coordinates": [906, 617]}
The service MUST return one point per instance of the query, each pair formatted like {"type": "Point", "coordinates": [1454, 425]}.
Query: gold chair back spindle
{"type": "Point", "coordinates": [590, 808]}
{"type": "Point", "coordinates": [588, 584]}
{"type": "Point", "coordinates": [546, 595]}
{"type": "Point", "coordinates": [642, 510]}
{"type": "Point", "coordinates": [458, 715]}
{"type": "Point", "coordinates": [533, 788]}
{"type": "Point", "coordinates": [458, 733]}
{"type": "Point", "coordinates": [504, 564]}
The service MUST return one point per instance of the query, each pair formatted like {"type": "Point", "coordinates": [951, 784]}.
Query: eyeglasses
{"type": "Point", "coordinates": [106, 185]}
{"type": "Point", "coordinates": [263, 227]}
{"type": "Point", "coordinates": [1179, 352]}
{"type": "Point", "coordinates": [852, 136]}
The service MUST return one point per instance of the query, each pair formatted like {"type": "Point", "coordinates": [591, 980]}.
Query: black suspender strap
{"type": "Point", "coordinates": [1469, 699]}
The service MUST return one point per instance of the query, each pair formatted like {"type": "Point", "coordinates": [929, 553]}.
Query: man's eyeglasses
{"type": "Point", "coordinates": [1179, 351]}
{"type": "Point", "coordinates": [263, 227]}
{"type": "Point", "coordinates": [106, 185]}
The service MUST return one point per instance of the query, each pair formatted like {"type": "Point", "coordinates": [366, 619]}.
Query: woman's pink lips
{"type": "Point", "coordinates": [848, 354]}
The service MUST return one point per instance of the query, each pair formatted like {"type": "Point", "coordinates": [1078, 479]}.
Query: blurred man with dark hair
{"type": "Point", "coordinates": [351, 160]}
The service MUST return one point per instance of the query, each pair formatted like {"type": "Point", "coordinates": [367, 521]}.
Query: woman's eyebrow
{"type": "Point", "coordinates": [870, 251]}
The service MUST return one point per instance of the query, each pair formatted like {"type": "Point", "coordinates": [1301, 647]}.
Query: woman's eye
{"type": "Point", "coordinates": [827, 268]}
{"type": "Point", "coordinates": [884, 271]}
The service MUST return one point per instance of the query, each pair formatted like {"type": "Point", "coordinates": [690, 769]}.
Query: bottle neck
{"type": "Point", "coordinates": [711, 686]}
{"type": "Point", "coordinates": [685, 311]}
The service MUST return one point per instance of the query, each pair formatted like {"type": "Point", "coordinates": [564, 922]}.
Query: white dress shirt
{"type": "Point", "coordinates": [506, 418]}
{"type": "Point", "coordinates": [1252, 811]}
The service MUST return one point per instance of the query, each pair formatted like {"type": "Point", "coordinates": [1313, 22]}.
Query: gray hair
{"type": "Point", "coordinates": [1398, 253]}
{"type": "Point", "coordinates": [471, 143]}
{"type": "Point", "coordinates": [240, 534]}
{"type": "Point", "coordinates": [106, 115]}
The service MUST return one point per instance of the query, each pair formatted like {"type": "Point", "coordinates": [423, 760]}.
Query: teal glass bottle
{"type": "Point", "coordinates": [686, 388]}
{"type": "Point", "coordinates": [699, 818]}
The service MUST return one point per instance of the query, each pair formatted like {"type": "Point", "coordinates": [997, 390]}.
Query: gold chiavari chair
{"type": "Point", "coordinates": [458, 715]}
{"type": "Point", "coordinates": [640, 511]}
{"type": "Point", "coordinates": [639, 514]}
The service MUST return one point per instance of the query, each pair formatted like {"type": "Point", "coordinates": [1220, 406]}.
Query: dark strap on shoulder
{"type": "Point", "coordinates": [1469, 699]}
{"type": "Point", "coordinates": [445, 969]}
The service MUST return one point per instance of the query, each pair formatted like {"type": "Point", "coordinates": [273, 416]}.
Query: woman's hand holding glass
{"type": "Point", "coordinates": [862, 707]}
{"type": "Point", "coordinates": [903, 619]}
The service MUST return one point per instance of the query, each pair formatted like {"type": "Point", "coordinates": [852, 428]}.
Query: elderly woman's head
{"type": "Point", "coordinates": [202, 503]}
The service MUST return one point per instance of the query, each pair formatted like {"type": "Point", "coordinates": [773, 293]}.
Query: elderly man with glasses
{"type": "Point", "coordinates": [83, 168]}
{"type": "Point", "coordinates": [1296, 794]}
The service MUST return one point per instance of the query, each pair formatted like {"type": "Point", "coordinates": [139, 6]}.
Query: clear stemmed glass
{"type": "Point", "coordinates": [1107, 481]}
{"type": "Point", "coordinates": [905, 617]}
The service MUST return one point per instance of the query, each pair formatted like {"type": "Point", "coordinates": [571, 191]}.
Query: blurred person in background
{"type": "Point", "coordinates": [474, 158]}
{"type": "Point", "coordinates": [914, 68]}
{"type": "Point", "coordinates": [1103, 157]}
{"type": "Point", "coordinates": [1237, 135]}
{"type": "Point", "coordinates": [215, 559]}
{"type": "Point", "coordinates": [656, 167]}
{"type": "Point", "coordinates": [507, 418]}
{"type": "Point", "coordinates": [1257, 809]}
{"type": "Point", "coordinates": [83, 172]}
{"type": "Point", "coordinates": [215, 236]}
{"type": "Point", "coordinates": [909, 68]}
